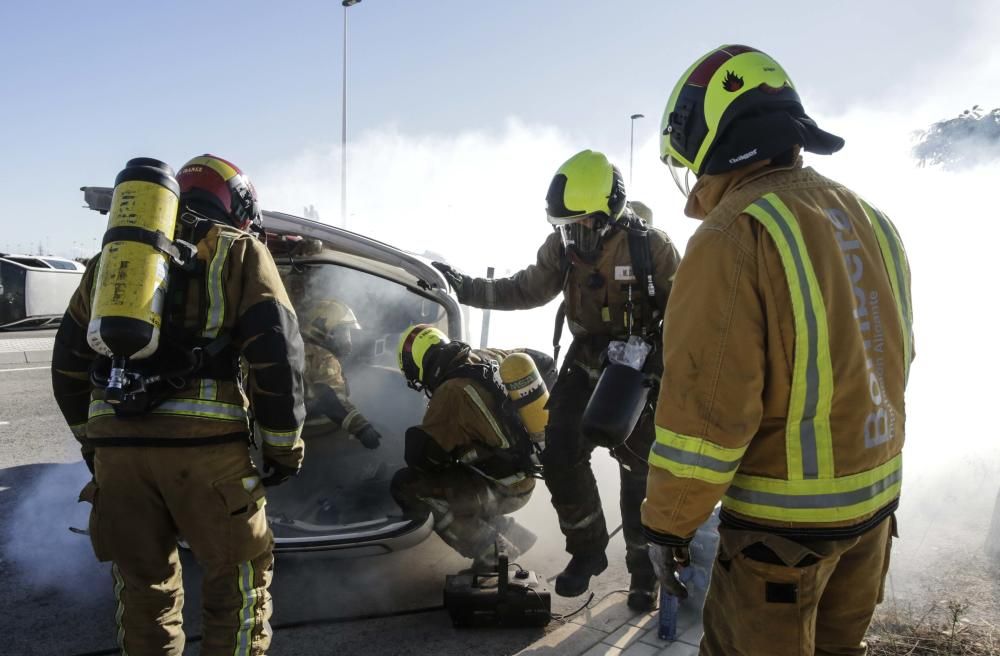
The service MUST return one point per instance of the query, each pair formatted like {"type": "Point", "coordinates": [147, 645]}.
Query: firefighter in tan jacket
{"type": "Point", "coordinates": [182, 468]}
{"type": "Point", "coordinates": [591, 260]}
{"type": "Point", "coordinates": [469, 465]}
{"type": "Point", "coordinates": [326, 331]}
{"type": "Point", "coordinates": [787, 347]}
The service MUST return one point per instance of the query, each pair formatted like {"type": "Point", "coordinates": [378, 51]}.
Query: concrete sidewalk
{"type": "Point", "coordinates": [26, 350]}
{"type": "Point", "coordinates": [611, 629]}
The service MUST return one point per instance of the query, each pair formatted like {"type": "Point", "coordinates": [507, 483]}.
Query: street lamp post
{"type": "Point", "coordinates": [343, 123]}
{"type": "Point", "coordinates": [631, 146]}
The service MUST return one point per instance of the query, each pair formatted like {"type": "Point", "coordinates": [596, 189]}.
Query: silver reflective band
{"type": "Point", "coordinates": [583, 523]}
{"type": "Point", "coordinates": [810, 464]}
{"type": "Point", "coordinates": [216, 290]}
{"type": "Point", "coordinates": [695, 459]}
{"type": "Point", "coordinates": [186, 407]}
{"type": "Point", "coordinates": [815, 501]}
{"type": "Point", "coordinates": [247, 615]}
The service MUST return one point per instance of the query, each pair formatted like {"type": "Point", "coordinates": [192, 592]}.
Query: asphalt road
{"type": "Point", "coordinates": [57, 598]}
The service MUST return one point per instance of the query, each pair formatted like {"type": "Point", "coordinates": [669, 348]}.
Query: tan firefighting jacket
{"type": "Point", "coordinates": [323, 368]}
{"type": "Point", "coordinates": [595, 304]}
{"type": "Point", "coordinates": [240, 294]}
{"type": "Point", "coordinates": [787, 348]}
{"type": "Point", "coordinates": [462, 412]}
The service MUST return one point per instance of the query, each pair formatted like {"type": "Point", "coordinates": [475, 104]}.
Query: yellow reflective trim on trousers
{"type": "Point", "coordinates": [244, 634]}
{"type": "Point", "coordinates": [284, 439]}
{"type": "Point", "coordinates": [478, 401]}
{"type": "Point", "coordinates": [685, 456]}
{"type": "Point", "coordinates": [215, 287]}
{"type": "Point", "coordinates": [120, 607]}
{"type": "Point", "coordinates": [808, 439]}
{"type": "Point", "coordinates": [844, 498]}
{"type": "Point", "coordinates": [898, 269]}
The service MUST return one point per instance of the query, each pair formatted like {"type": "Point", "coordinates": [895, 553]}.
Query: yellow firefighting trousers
{"type": "Point", "coordinates": [144, 498]}
{"type": "Point", "coordinates": [770, 596]}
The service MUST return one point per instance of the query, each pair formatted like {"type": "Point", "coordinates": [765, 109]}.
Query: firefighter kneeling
{"type": "Point", "coordinates": [471, 460]}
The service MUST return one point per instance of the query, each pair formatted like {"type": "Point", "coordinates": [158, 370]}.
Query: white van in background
{"type": "Point", "coordinates": [35, 289]}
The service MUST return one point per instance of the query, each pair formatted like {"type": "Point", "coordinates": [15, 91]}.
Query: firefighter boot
{"type": "Point", "coordinates": [575, 579]}
{"type": "Point", "coordinates": [642, 591]}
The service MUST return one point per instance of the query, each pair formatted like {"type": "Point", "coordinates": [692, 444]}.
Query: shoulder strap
{"type": "Point", "coordinates": [641, 255]}
{"type": "Point", "coordinates": [488, 375]}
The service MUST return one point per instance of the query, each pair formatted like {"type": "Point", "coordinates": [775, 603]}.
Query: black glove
{"type": "Point", "coordinates": [276, 473]}
{"type": "Point", "coordinates": [369, 437]}
{"type": "Point", "coordinates": [88, 459]}
{"type": "Point", "coordinates": [456, 279]}
{"type": "Point", "coordinates": [666, 561]}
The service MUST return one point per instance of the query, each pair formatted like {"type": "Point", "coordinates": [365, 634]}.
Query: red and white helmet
{"type": "Point", "coordinates": [218, 189]}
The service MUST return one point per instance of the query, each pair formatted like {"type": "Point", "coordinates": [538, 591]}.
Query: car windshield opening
{"type": "Point", "coordinates": [343, 487]}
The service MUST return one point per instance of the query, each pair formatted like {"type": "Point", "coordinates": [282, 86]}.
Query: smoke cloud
{"type": "Point", "coordinates": [477, 199]}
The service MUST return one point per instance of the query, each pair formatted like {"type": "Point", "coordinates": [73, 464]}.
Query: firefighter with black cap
{"type": "Point", "coordinates": [167, 438]}
{"type": "Point", "coordinates": [615, 274]}
{"type": "Point", "coordinates": [471, 461]}
{"type": "Point", "coordinates": [788, 341]}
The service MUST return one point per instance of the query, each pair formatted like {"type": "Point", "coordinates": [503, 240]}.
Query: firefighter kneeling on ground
{"type": "Point", "coordinates": [469, 461]}
{"type": "Point", "coordinates": [326, 331]}
{"type": "Point", "coordinates": [615, 275]}
{"type": "Point", "coordinates": [177, 463]}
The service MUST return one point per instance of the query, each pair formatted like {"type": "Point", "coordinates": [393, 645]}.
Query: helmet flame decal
{"type": "Point", "coordinates": [733, 82]}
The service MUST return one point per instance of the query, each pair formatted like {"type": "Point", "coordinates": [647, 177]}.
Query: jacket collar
{"type": "Point", "coordinates": [709, 191]}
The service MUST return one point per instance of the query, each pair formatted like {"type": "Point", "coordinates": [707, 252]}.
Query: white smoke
{"type": "Point", "coordinates": [46, 555]}
{"type": "Point", "coordinates": [478, 200]}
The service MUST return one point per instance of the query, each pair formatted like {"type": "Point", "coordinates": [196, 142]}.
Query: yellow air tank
{"type": "Point", "coordinates": [528, 393]}
{"type": "Point", "coordinates": [131, 282]}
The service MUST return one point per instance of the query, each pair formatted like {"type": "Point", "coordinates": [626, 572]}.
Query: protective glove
{"type": "Point", "coordinates": [369, 437]}
{"type": "Point", "coordinates": [276, 473]}
{"type": "Point", "coordinates": [666, 562]}
{"type": "Point", "coordinates": [455, 278]}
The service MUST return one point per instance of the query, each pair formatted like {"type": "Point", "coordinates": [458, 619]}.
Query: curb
{"type": "Point", "coordinates": [26, 357]}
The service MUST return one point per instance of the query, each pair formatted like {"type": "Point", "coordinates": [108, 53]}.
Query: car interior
{"type": "Point", "coordinates": [343, 487]}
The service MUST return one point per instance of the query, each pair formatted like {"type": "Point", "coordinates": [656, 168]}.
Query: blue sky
{"type": "Point", "coordinates": [88, 85]}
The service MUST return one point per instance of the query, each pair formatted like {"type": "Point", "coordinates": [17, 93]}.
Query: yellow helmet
{"type": "Point", "coordinates": [416, 344]}
{"type": "Point", "coordinates": [328, 324]}
{"type": "Point", "coordinates": [734, 106]}
{"type": "Point", "coordinates": [586, 186]}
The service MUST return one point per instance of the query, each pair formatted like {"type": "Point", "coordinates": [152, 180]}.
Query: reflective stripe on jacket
{"type": "Point", "coordinates": [788, 340]}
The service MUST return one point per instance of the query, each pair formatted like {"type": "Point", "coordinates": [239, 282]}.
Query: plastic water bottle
{"type": "Point", "coordinates": [669, 605]}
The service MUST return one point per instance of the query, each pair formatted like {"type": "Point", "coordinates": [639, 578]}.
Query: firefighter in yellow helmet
{"type": "Point", "coordinates": [469, 462]}
{"type": "Point", "coordinates": [788, 342]}
{"type": "Point", "coordinates": [615, 275]}
{"type": "Point", "coordinates": [326, 330]}
{"type": "Point", "coordinates": [172, 459]}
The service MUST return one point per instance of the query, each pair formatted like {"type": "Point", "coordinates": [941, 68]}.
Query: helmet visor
{"type": "Point", "coordinates": [570, 220]}
{"type": "Point", "coordinates": [580, 236]}
{"type": "Point", "coordinates": [680, 174]}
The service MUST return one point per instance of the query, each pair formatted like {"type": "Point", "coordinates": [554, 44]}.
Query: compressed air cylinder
{"type": "Point", "coordinates": [615, 406]}
{"type": "Point", "coordinates": [131, 282]}
{"type": "Point", "coordinates": [528, 393]}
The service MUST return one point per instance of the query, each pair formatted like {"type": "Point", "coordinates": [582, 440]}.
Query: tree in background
{"type": "Point", "coordinates": [971, 138]}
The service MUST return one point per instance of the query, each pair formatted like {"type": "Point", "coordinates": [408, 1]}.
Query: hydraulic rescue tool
{"type": "Point", "coordinates": [496, 599]}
